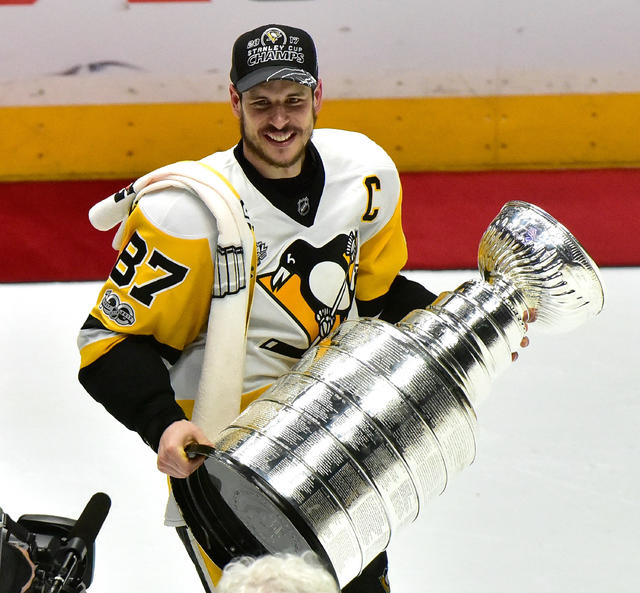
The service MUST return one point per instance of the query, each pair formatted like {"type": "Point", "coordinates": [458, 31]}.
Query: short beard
{"type": "Point", "coordinates": [253, 147]}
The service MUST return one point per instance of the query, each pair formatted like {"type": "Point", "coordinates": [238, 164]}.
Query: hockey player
{"type": "Point", "coordinates": [324, 207]}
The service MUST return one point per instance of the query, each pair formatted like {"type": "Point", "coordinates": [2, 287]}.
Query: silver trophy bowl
{"type": "Point", "coordinates": [375, 420]}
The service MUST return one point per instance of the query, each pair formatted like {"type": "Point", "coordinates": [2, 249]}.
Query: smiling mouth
{"type": "Point", "coordinates": [280, 138]}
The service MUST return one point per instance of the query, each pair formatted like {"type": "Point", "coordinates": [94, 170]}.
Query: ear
{"type": "Point", "coordinates": [317, 96]}
{"type": "Point", "coordinates": [236, 101]}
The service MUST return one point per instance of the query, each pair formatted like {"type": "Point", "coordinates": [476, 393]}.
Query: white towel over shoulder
{"type": "Point", "coordinates": [220, 389]}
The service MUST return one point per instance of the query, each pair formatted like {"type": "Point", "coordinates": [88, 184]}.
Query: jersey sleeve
{"type": "Point", "coordinates": [160, 287]}
{"type": "Point", "coordinates": [383, 252]}
{"type": "Point", "coordinates": [154, 303]}
{"type": "Point", "coordinates": [381, 291]}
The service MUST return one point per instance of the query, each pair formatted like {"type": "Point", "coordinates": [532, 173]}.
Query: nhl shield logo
{"type": "Point", "coordinates": [303, 206]}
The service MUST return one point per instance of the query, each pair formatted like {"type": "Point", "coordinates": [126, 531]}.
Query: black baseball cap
{"type": "Point", "coordinates": [274, 52]}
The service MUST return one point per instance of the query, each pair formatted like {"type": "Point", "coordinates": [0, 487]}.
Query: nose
{"type": "Point", "coordinates": [279, 116]}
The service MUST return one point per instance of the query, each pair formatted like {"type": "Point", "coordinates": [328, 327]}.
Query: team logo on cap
{"type": "Point", "coordinates": [274, 46]}
{"type": "Point", "coordinates": [273, 36]}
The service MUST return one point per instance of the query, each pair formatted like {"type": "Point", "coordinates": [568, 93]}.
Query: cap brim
{"type": "Point", "coordinates": [276, 73]}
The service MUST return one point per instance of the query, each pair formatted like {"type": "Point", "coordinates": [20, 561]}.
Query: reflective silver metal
{"type": "Point", "coordinates": [375, 420]}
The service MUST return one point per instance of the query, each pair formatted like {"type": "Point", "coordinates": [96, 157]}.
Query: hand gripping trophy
{"type": "Point", "coordinates": [346, 447]}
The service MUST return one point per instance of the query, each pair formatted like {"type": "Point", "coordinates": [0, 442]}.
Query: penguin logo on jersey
{"type": "Point", "coordinates": [315, 286]}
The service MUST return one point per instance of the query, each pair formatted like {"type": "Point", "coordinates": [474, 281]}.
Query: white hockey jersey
{"type": "Point", "coordinates": [307, 276]}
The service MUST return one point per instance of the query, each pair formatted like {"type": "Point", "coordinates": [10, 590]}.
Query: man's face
{"type": "Point", "coordinates": [277, 120]}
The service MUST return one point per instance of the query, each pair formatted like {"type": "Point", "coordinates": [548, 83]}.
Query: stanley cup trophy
{"type": "Point", "coordinates": [375, 420]}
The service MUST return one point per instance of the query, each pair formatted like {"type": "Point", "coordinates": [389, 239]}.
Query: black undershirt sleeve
{"type": "Point", "coordinates": [133, 384]}
{"type": "Point", "coordinates": [403, 296]}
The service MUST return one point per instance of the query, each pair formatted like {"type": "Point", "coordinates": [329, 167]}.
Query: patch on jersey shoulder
{"type": "Point", "coordinates": [261, 251]}
{"type": "Point", "coordinates": [114, 309]}
{"type": "Point", "coordinates": [315, 286]}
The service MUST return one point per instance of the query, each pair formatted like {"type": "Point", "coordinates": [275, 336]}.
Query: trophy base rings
{"type": "Point", "coordinates": [233, 512]}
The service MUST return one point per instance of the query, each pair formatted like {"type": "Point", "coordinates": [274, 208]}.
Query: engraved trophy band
{"type": "Point", "coordinates": [376, 419]}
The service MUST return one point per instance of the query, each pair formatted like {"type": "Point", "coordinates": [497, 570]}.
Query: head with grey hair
{"type": "Point", "coordinates": [278, 573]}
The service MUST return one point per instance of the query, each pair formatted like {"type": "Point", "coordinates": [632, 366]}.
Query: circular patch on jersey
{"type": "Point", "coordinates": [122, 313]}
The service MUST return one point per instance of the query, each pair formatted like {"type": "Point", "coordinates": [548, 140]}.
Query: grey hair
{"type": "Point", "coordinates": [277, 573]}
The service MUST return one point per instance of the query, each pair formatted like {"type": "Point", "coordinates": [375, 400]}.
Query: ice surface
{"type": "Point", "coordinates": [551, 503]}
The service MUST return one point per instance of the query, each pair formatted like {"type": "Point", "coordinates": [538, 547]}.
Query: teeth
{"type": "Point", "coordinates": [283, 137]}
